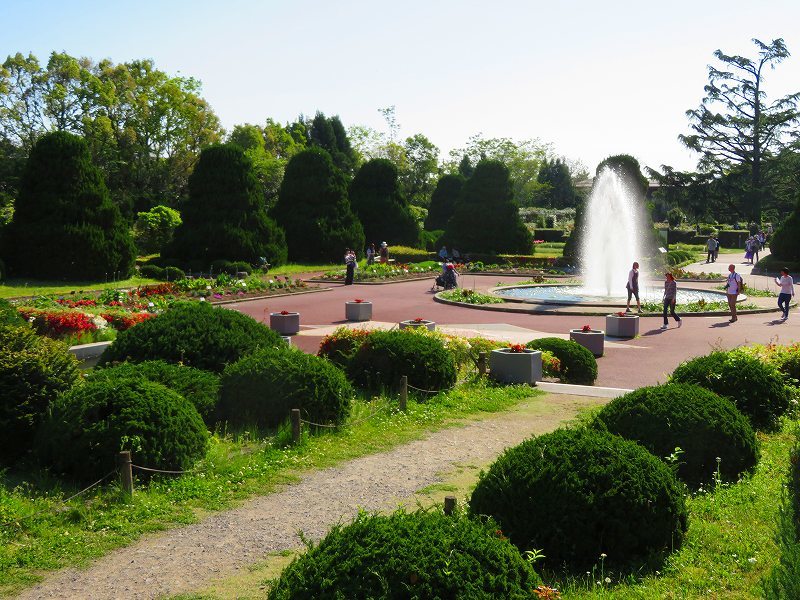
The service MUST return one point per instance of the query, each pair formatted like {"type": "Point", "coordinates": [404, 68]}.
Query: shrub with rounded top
{"type": "Point", "coordinates": [578, 365]}
{"type": "Point", "coordinates": [9, 314]}
{"type": "Point", "coordinates": [409, 555]}
{"type": "Point", "coordinates": [198, 387]}
{"type": "Point", "coordinates": [33, 371]}
{"type": "Point", "coordinates": [263, 387]}
{"type": "Point", "coordinates": [577, 494]}
{"type": "Point", "coordinates": [340, 346]}
{"type": "Point", "coordinates": [699, 422]}
{"type": "Point", "coordinates": [756, 388]}
{"type": "Point", "coordinates": [386, 356]}
{"type": "Point", "coordinates": [89, 425]}
{"type": "Point", "coordinates": [194, 334]}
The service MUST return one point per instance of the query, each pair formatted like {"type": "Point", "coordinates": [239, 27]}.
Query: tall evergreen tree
{"type": "Point", "coordinates": [225, 216]}
{"type": "Point", "coordinates": [443, 201]}
{"type": "Point", "coordinates": [330, 135]}
{"type": "Point", "coordinates": [314, 210]}
{"type": "Point", "coordinates": [465, 167]}
{"type": "Point", "coordinates": [560, 192]}
{"type": "Point", "coordinates": [65, 225]}
{"type": "Point", "coordinates": [629, 168]}
{"type": "Point", "coordinates": [379, 204]}
{"type": "Point", "coordinates": [486, 218]}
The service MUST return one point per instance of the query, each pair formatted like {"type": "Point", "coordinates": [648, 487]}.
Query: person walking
{"type": "Point", "coordinates": [748, 250]}
{"type": "Point", "coordinates": [350, 264]}
{"type": "Point", "coordinates": [370, 254]}
{"type": "Point", "coordinates": [384, 253]}
{"type": "Point", "coordinates": [711, 246]}
{"type": "Point", "coordinates": [670, 297]}
{"type": "Point", "coordinates": [716, 249]}
{"type": "Point", "coordinates": [733, 287]}
{"type": "Point", "coordinates": [786, 284]}
{"type": "Point", "coordinates": [633, 287]}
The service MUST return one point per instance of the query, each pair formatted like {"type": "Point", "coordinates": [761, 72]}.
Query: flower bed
{"type": "Point", "coordinates": [382, 272]}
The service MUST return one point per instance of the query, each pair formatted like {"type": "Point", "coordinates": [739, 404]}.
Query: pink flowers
{"type": "Point", "coordinates": [516, 348]}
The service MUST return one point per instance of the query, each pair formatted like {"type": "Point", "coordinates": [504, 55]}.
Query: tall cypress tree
{"type": "Point", "coordinates": [225, 217]}
{"type": "Point", "coordinates": [380, 206]}
{"type": "Point", "coordinates": [443, 201]}
{"type": "Point", "coordinates": [314, 211]}
{"type": "Point", "coordinates": [330, 135]}
{"type": "Point", "coordinates": [65, 225]}
{"type": "Point", "coordinates": [486, 219]}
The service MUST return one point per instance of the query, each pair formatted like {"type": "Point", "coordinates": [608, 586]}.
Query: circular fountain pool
{"type": "Point", "coordinates": [573, 294]}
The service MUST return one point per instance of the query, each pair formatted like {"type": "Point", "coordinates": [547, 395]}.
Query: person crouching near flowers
{"type": "Point", "coordinates": [670, 297]}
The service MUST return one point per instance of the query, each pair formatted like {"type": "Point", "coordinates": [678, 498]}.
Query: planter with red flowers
{"type": "Point", "coordinates": [418, 322]}
{"type": "Point", "coordinates": [285, 322]}
{"type": "Point", "coordinates": [516, 364]}
{"type": "Point", "coordinates": [358, 310]}
{"type": "Point", "coordinates": [622, 325]}
{"type": "Point", "coordinates": [591, 339]}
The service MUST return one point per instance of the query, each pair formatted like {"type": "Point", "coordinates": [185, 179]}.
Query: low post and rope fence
{"type": "Point", "coordinates": [481, 363]}
{"type": "Point", "coordinates": [449, 505]}
{"type": "Point", "coordinates": [403, 393]}
{"type": "Point", "coordinates": [125, 467]}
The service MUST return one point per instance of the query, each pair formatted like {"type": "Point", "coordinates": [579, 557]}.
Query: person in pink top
{"type": "Point", "coordinates": [786, 284]}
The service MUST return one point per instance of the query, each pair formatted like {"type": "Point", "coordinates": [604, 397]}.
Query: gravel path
{"type": "Point", "coordinates": [184, 559]}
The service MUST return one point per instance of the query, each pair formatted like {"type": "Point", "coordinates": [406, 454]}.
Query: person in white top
{"type": "Point", "coordinates": [733, 287]}
{"type": "Point", "coordinates": [786, 284]}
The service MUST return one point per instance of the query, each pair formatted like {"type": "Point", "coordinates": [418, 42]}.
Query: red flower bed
{"type": "Point", "coordinates": [76, 303]}
{"type": "Point", "coordinates": [54, 324]}
{"type": "Point", "coordinates": [121, 322]}
{"type": "Point", "coordinates": [160, 289]}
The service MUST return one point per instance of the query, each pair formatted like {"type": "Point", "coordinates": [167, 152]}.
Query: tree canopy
{"type": "Point", "coordinates": [443, 202]}
{"type": "Point", "coordinates": [557, 190]}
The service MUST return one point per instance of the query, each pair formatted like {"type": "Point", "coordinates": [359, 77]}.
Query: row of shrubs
{"type": "Point", "coordinates": [167, 271]}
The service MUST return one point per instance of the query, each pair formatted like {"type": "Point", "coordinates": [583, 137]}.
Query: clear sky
{"type": "Point", "coordinates": [591, 78]}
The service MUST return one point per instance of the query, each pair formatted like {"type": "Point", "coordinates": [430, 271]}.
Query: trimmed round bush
{"type": "Point", "coordinates": [9, 314]}
{"type": "Point", "coordinates": [152, 272]}
{"type": "Point", "coordinates": [193, 334]}
{"type": "Point", "coordinates": [409, 555]}
{"type": "Point", "coordinates": [578, 365]}
{"type": "Point", "coordinates": [89, 425]}
{"type": "Point", "coordinates": [340, 346]}
{"type": "Point", "coordinates": [174, 274]}
{"type": "Point", "coordinates": [576, 494]}
{"type": "Point", "coordinates": [263, 387]}
{"type": "Point", "coordinates": [385, 356]}
{"type": "Point", "coordinates": [756, 388]}
{"type": "Point", "coordinates": [701, 423]}
{"type": "Point", "coordinates": [198, 387]}
{"type": "Point", "coordinates": [33, 371]}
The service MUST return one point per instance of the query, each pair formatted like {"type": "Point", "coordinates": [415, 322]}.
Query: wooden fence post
{"type": "Point", "coordinates": [295, 425]}
{"type": "Point", "coordinates": [481, 363]}
{"type": "Point", "coordinates": [125, 471]}
{"type": "Point", "coordinates": [449, 504]}
{"type": "Point", "coordinates": [403, 392]}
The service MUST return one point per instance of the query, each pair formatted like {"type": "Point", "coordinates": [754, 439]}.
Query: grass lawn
{"type": "Point", "coordinates": [14, 288]}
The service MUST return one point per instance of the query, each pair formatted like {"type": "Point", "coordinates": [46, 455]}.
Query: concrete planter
{"type": "Point", "coordinates": [288, 324]}
{"type": "Point", "coordinates": [358, 311]}
{"type": "Point", "coordinates": [516, 367]}
{"type": "Point", "coordinates": [430, 325]}
{"type": "Point", "coordinates": [622, 327]}
{"type": "Point", "coordinates": [593, 340]}
{"type": "Point", "coordinates": [287, 339]}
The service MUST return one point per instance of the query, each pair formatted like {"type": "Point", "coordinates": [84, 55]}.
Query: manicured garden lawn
{"type": "Point", "coordinates": [15, 288]}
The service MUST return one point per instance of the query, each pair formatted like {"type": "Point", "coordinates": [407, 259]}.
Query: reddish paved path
{"type": "Point", "coordinates": [654, 355]}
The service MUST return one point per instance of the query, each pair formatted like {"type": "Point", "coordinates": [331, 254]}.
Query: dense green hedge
{"type": "Point", "coordinates": [409, 555]}
{"type": "Point", "coordinates": [756, 388]}
{"type": "Point", "coordinates": [89, 425]}
{"type": "Point", "coordinates": [549, 235]}
{"type": "Point", "coordinates": [577, 494]}
{"type": "Point", "coordinates": [785, 243]}
{"type": "Point", "coordinates": [262, 388]}
{"type": "Point", "coordinates": [702, 424]}
{"type": "Point", "coordinates": [386, 356]}
{"type": "Point", "coordinates": [33, 371]}
{"type": "Point", "coordinates": [193, 334]}
{"type": "Point", "coordinates": [198, 387]}
{"type": "Point", "coordinates": [578, 365]}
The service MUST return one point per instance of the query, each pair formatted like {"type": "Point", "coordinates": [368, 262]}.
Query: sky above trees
{"type": "Point", "coordinates": [592, 79]}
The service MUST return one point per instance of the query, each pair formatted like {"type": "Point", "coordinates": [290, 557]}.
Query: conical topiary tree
{"type": "Point", "coordinates": [380, 206]}
{"type": "Point", "coordinates": [65, 225]}
{"type": "Point", "coordinates": [314, 211]}
{"type": "Point", "coordinates": [443, 201]}
{"type": "Point", "coordinates": [225, 217]}
{"type": "Point", "coordinates": [486, 219]}
{"type": "Point", "coordinates": [785, 243]}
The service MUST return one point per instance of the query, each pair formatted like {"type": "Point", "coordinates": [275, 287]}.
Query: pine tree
{"type": "Point", "coordinates": [443, 202]}
{"type": "Point", "coordinates": [330, 135]}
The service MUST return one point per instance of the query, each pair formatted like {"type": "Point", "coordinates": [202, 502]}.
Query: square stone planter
{"type": "Point", "coordinates": [288, 324]}
{"type": "Point", "coordinates": [593, 340]}
{"type": "Point", "coordinates": [626, 326]}
{"type": "Point", "coordinates": [430, 325]}
{"type": "Point", "coordinates": [516, 367]}
{"type": "Point", "coordinates": [358, 311]}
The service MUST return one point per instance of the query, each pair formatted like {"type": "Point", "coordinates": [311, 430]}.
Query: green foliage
{"type": "Point", "coordinates": [378, 202]}
{"type": "Point", "coordinates": [578, 365]}
{"type": "Point", "coordinates": [386, 356]}
{"type": "Point", "coordinates": [96, 420]}
{"type": "Point", "coordinates": [174, 273]}
{"type": "Point", "coordinates": [409, 555]}
{"type": "Point", "coordinates": [486, 219]}
{"type": "Point", "coordinates": [263, 387]}
{"type": "Point", "coordinates": [469, 296]}
{"type": "Point", "coordinates": [628, 168]}
{"type": "Point", "coordinates": [153, 229]}
{"type": "Point", "coordinates": [443, 201]}
{"type": "Point", "coordinates": [675, 217]}
{"type": "Point", "coordinates": [225, 216]}
{"type": "Point", "coordinates": [198, 387]}
{"type": "Point", "coordinates": [557, 188]}
{"type": "Point", "coordinates": [757, 389]}
{"type": "Point", "coordinates": [702, 424]}
{"type": "Point", "coordinates": [577, 494]}
{"type": "Point", "coordinates": [340, 346]}
{"type": "Point", "coordinates": [785, 242]}
{"type": "Point", "coordinates": [65, 225]}
{"type": "Point", "coordinates": [152, 272]}
{"type": "Point", "coordinates": [314, 210]}
{"type": "Point", "coordinates": [679, 257]}
{"type": "Point", "coordinates": [33, 371]}
{"type": "Point", "coordinates": [9, 314]}
{"type": "Point", "coordinates": [330, 135]}
{"type": "Point", "coordinates": [192, 334]}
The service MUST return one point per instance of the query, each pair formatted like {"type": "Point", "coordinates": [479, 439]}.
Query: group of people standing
{"type": "Point", "coordinates": [753, 245]}
{"type": "Point", "coordinates": [351, 261]}
{"type": "Point", "coordinates": [382, 253]}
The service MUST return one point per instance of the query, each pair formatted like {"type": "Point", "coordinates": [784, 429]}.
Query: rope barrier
{"type": "Point", "coordinates": [149, 470]}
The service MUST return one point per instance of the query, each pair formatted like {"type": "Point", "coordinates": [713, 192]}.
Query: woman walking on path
{"type": "Point", "coordinates": [371, 254]}
{"type": "Point", "coordinates": [786, 284]}
{"type": "Point", "coordinates": [633, 287]}
{"type": "Point", "coordinates": [670, 296]}
{"type": "Point", "coordinates": [350, 263]}
{"type": "Point", "coordinates": [733, 286]}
